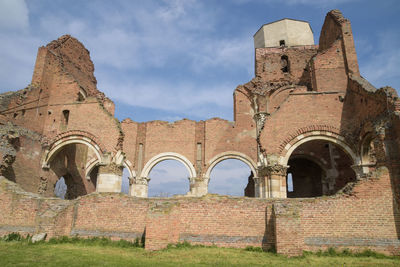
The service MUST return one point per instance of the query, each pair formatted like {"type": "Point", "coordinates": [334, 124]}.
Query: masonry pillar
{"type": "Point", "coordinates": [140, 187]}
{"type": "Point", "coordinates": [109, 178]}
{"type": "Point", "coordinates": [257, 187]}
{"type": "Point", "coordinates": [273, 181]}
{"type": "Point", "coordinates": [263, 183]}
{"type": "Point", "coordinates": [198, 186]}
{"type": "Point", "coordinates": [277, 178]}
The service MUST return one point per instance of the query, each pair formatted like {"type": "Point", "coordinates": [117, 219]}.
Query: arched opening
{"type": "Point", "coordinates": [168, 178]}
{"type": "Point", "coordinates": [285, 66]}
{"type": "Point", "coordinates": [306, 178]}
{"type": "Point", "coordinates": [67, 166]}
{"type": "Point", "coordinates": [81, 96]}
{"type": "Point", "coordinates": [231, 177]}
{"type": "Point", "coordinates": [65, 117]}
{"type": "Point", "coordinates": [318, 167]}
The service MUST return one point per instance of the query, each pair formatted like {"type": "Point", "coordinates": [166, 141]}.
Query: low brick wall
{"type": "Point", "coordinates": [362, 219]}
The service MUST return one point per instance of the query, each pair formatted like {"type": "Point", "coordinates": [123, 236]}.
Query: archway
{"type": "Point", "coordinates": [231, 173]}
{"type": "Point", "coordinates": [68, 162]}
{"type": "Point", "coordinates": [171, 171]}
{"type": "Point", "coordinates": [168, 178]}
{"type": "Point", "coordinates": [318, 166]}
{"type": "Point", "coordinates": [57, 146]}
{"type": "Point", "coordinates": [231, 177]}
{"type": "Point", "coordinates": [165, 156]}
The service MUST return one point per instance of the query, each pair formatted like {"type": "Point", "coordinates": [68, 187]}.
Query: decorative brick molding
{"type": "Point", "coordinates": [77, 133]}
{"type": "Point", "coordinates": [165, 156]}
{"type": "Point", "coordinates": [307, 131]}
{"type": "Point", "coordinates": [73, 137]}
{"type": "Point", "coordinates": [318, 135]}
{"type": "Point", "coordinates": [231, 155]}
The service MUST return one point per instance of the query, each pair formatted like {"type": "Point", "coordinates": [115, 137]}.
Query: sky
{"type": "Point", "coordinates": [168, 60]}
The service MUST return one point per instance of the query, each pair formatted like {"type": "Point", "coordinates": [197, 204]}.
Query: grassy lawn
{"type": "Point", "coordinates": [65, 254]}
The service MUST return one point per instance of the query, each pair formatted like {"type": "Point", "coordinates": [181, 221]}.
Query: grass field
{"type": "Point", "coordinates": [17, 253]}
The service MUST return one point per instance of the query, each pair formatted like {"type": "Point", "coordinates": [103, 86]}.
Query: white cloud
{"type": "Point", "coordinates": [173, 96]}
{"type": "Point", "coordinates": [299, 2]}
{"type": "Point", "coordinates": [380, 67]}
{"type": "Point", "coordinates": [13, 15]}
{"type": "Point", "coordinates": [319, 2]}
{"type": "Point", "coordinates": [149, 38]}
{"type": "Point", "coordinates": [17, 59]}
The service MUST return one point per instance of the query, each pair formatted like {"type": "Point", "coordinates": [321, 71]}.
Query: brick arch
{"type": "Point", "coordinates": [166, 156]}
{"type": "Point", "coordinates": [364, 148]}
{"type": "Point", "coordinates": [317, 135]}
{"type": "Point", "coordinates": [231, 155]}
{"type": "Point", "coordinates": [324, 130]}
{"type": "Point", "coordinates": [78, 133]}
{"type": "Point", "coordinates": [71, 137]}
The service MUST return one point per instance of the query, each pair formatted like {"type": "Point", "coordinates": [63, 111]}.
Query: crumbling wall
{"type": "Point", "coordinates": [357, 219]}
{"type": "Point", "coordinates": [268, 63]}
{"type": "Point", "coordinates": [329, 69]}
{"type": "Point", "coordinates": [74, 59]}
{"type": "Point", "coordinates": [336, 27]}
{"type": "Point", "coordinates": [22, 151]}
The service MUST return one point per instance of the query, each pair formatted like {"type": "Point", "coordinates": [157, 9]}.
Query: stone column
{"type": "Point", "coordinates": [198, 186]}
{"type": "Point", "coordinates": [109, 178]}
{"type": "Point", "coordinates": [277, 180]}
{"type": "Point", "coordinates": [263, 182]}
{"type": "Point", "coordinates": [257, 187]}
{"type": "Point", "coordinates": [140, 187]}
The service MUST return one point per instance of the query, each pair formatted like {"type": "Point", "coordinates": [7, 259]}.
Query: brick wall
{"type": "Point", "coordinates": [359, 219]}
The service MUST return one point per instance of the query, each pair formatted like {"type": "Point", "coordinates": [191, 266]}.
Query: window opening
{"type": "Point", "coordinates": [65, 116]}
{"type": "Point", "coordinates": [285, 64]}
{"type": "Point", "coordinates": [81, 96]}
{"type": "Point", "coordinates": [290, 182]}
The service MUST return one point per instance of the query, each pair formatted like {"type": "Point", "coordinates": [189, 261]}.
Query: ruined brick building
{"type": "Point", "coordinates": [307, 116]}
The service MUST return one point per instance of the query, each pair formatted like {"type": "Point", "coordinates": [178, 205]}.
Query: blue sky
{"type": "Point", "coordinates": [178, 59]}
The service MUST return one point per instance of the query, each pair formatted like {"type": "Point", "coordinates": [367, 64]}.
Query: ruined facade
{"type": "Point", "coordinates": [307, 119]}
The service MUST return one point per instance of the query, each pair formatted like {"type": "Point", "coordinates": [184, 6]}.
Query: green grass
{"type": "Point", "coordinates": [103, 252]}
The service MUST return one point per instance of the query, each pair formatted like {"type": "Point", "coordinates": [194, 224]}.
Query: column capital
{"type": "Point", "coordinates": [193, 180]}
{"type": "Point", "coordinates": [273, 169]}
{"type": "Point", "coordinates": [198, 186]}
{"type": "Point", "coordinates": [112, 167]}
{"type": "Point", "coordinates": [141, 180]}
